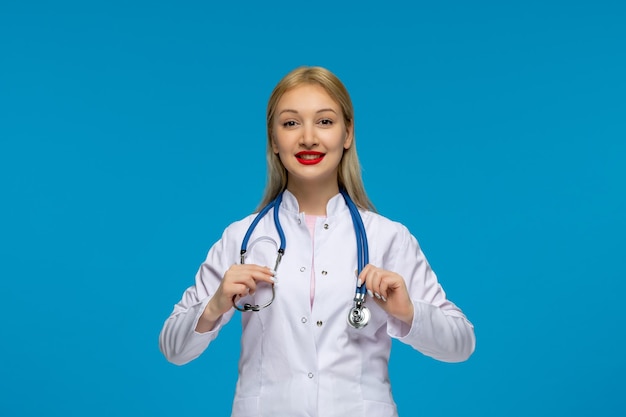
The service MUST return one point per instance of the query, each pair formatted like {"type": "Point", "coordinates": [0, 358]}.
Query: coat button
{"type": "Point", "coordinates": [302, 269]}
{"type": "Point", "coordinates": [325, 225]}
{"type": "Point", "coordinates": [324, 272]}
{"type": "Point", "coordinates": [303, 319]}
{"type": "Point", "coordinates": [310, 375]}
{"type": "Point", "coordinates": [299, 221]}
{"type": "Point", "coordinates": [319, 323]}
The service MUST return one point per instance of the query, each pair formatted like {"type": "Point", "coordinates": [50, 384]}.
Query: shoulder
{"type": "Point", "coordinates": [391, 245]}
{"type": "Point", "coordinates": [378, 220]}
{"type": "Point", "coordinates": [231, 238]}
{"type": "Point", "coordinates": [384, 228]}
{"type": "Point", "coordinates": [239, 227]}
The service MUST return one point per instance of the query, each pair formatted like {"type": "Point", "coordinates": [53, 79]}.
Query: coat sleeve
{"type": "Point", "coordinates": [439, 329]}
{"type": "Point", "coordinates": [179, 341]}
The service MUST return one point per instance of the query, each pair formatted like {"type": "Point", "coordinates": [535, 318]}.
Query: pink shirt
{"type": "Point", "coordinates": [310, 223]}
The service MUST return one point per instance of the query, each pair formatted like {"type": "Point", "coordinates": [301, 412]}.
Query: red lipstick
{"type": "Point", "coordinates": [309, 157]}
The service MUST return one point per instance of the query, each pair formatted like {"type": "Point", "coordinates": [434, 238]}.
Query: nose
{"type": "Point", "coordinates": [309, 138]}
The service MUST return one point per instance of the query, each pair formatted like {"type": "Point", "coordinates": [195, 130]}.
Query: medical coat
{"type": "Point", "coordinates": [302, 360]}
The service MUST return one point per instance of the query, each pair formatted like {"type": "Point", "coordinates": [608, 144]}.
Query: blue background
{"type": "Point", "coordinates": [132, 133]}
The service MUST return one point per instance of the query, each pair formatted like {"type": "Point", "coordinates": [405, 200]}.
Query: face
{"type": "Point", "coordinates": [310, 135]}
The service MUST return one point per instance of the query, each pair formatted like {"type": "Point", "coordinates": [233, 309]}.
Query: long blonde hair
{"type": "Point", "coordinates": [349, 171]}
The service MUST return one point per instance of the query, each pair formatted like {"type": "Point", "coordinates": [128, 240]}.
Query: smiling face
{"type": "Point", "coordinates": [309, 136]}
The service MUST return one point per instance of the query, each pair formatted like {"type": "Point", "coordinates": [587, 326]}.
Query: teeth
{"type": "Point", "coordinates": [305, 156]}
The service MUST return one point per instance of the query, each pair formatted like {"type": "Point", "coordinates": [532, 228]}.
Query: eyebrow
{"type": "Point", "coordinates": [296, 111]}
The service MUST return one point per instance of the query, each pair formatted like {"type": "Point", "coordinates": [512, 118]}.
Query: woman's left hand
{"type": "Point", "coordinates": [389, 291]}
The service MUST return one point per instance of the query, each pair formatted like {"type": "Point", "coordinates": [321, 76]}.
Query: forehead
{"type": "Point", "coordinates": [307, 96]}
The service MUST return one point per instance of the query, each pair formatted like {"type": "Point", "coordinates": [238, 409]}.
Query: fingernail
{"type": "Point", "coordinates": [274, 278]}
{"type": "Point", "coordinates": [377, 295]}
{"type": "Point", "coordinates": [359, 283]}
{"type": "Point", "coordinates": [371, 294]}
{"type": "Point", "coordinates": [272, 272]}
{"type": "Point", "coordinates": [383, 298]}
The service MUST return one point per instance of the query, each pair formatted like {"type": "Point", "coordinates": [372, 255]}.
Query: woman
{"type": "Point", "coordinates": [300, 356]}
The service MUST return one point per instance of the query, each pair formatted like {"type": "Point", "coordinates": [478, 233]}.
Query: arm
{"type": "Point", "coordinates": [419, 313]}
{"type": "Point", "coordinates": [179, 340]}
{"type": "Point", "coordinates": [208, 305]}
{"type": "Point", "coordinates": [183, 337]}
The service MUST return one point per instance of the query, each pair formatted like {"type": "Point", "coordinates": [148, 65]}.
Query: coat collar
{"type": "Point", "coordinates": [335, 206]}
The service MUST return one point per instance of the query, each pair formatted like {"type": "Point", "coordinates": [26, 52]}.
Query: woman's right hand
{"type": "Point", "coordinates": [239, 281]}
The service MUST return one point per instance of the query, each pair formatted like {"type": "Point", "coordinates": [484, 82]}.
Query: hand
{"type": "Point", "coordinates": [239, 281]}
{"type": "Point", "coordinates": [389, 291]}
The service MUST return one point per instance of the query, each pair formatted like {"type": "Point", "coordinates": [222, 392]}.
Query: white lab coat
{"type": "Point", "coordinates": [297, 360]}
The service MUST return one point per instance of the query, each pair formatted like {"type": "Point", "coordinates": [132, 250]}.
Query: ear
{"type": "Point", "coordinates": [349, 137]}
{"type": "Point", "coordinates": [274, 146]}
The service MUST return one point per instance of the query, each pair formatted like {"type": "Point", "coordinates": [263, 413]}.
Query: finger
{"type": "Point", "coordinates": [233, 299]}
{"type": "Point", "coordinates": [384, 287]}
{"type": "Point", "coordinates": [240, 290]}
{"type": "Point", "coordinates": [249, 275]}
{"type": "Point", "coordinates": [268, 276]}
{"type": "Point", "coordinates": [242, 268]}
{"type": "Point", "coordinates": [362, 277]}
{"type": "Point", "coordinates": [262, 273]}
{"type": "Point", "coordinates": [257, 277]}
{"type": "Point", "coordinates": [372, 281]}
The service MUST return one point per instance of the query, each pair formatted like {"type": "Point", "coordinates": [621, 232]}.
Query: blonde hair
{"type": "Point", "coordinates": [349, 170]}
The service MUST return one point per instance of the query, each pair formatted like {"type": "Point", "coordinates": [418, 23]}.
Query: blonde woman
{"type": "Point", "coordinates": [311, 345]}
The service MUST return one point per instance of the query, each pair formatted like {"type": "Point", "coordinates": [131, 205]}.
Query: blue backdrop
{"type": "Point", "coordinates": [132, 133]}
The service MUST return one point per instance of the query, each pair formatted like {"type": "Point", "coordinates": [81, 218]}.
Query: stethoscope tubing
{"type": "Point", "coordinates": [362, 255]}
{"type": "Point", "coordinates": [283, 242]}
{"type": "Point", "coordinates": [361, 237]}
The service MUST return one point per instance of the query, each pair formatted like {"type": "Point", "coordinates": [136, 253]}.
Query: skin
{"type": "Point", "coordinates": [389, 291]}
{"type": "Point", "coordinates": [308, 119]}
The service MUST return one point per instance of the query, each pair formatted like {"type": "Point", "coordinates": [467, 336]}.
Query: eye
{"type": "Point", "coordinates": [326, 122]}
{"type": "Point", "coordinates": [289, 123]}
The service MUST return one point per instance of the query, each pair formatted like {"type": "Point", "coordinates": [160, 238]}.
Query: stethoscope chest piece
{"type": "Point", "coordinates": [358, 317]}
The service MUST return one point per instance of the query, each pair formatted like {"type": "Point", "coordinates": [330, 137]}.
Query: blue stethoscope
{"type": "Point", "coordinates": [359, 315]}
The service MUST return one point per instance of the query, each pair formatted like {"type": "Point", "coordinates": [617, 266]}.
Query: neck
{"type": "Point", "coordinates": [313, 198]}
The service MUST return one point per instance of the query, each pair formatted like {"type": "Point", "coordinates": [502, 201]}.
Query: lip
{"type": "Point", "coordinates": [310, 157]}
